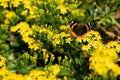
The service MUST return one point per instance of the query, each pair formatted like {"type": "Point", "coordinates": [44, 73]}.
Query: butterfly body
{"type": "Point", "coordinates": [79, 30]}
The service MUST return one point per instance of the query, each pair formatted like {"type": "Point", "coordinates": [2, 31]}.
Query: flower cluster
{"type": "Point", "coordinates": [90, 40]}
{"type": "Point", "coordinates": [42, 25]}
{"type": "Point", "coordinates": [59, 38]}
{"type": "Point", "coordinates": [27, 35]}
{"type": "Point", "coordinates": [104, 59]}
{"type": "Point", "coordinates": [47, 55]}
{"type": "Point", "coordinates": [27, 57]}
{"type": "Point", "coordinates": [9, 17]}
{"type": "Point", "coordinates": [49, 73]}
{"type": "Point", "coordinates": [2, 61]}
{"type": "Point", "coordinates": [53, 37]}
{"type": "Point", "coordinates": [114, 45]}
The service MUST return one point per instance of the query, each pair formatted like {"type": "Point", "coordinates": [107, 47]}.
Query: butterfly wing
{"type": "Point", "coordinates": [79, 30]}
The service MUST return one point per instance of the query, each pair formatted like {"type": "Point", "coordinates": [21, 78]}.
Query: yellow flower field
{"type": "Point", "coordinates": [37, 40]}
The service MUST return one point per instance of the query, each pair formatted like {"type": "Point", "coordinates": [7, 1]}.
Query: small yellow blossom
{"type": "Point", "coordinates": [4, 3]}
{"type": "Point", "coordinates": [33, 58]}
{"type": "Point", "coordinates": [62, 8]}
{"type": "Point", "coordinates": [61, 1]}
{"type": "Point", "coordinates": [4, 71]}
{"type": "Point", "coordinates": [28, 40]}
{"type": "Point", "coordinates": [45, 54]}
{"type": "Point", "coordinates": [63, 27]}
{"type": "Point", "coordinates": [25, 12]}
{"type": "Point", "coordinates": [2, 60]}
{"type": "Point", "coordinates": [10, 15]}
{"type": "Point", "coordinates": [14, 28]}
{"type": "Point", "coordinates": [24, 30]}
{"type": "Point", "coordinates": [65, 77]}
{"type": "Point", "coordinates": [27, 4]}
{"type": "Point", "coordinates": [78, 12]}
{"type": "Point", "coordinates": [56, 36]}
{"type": "Point", "coordinates": [86, 47]}
{"type": "Point", "coordinates": [114, 45]}
{"type": "Point", "coordinates": [56, 42]}
{"type": "Point", "coordinates": [62, 34]}
{"type": "Point", "coordinates": [91, 39]}
{"type": "Point", "coordinates": [52, 57]}
{"type": "Point", "coordinates": [34, 46]}
{"type": "Point", "coordinates": [55, 69]}
{"type": "Point", "coordinates": [6, 21]}
{"type": "Point", "coordinates": [26, 55]}
{"type": "Point", "coordinates": [44, 51]}
{"type": "Point", "coordinates": [15, 3]}
{"type": "Point", "coordinates": [68, 40]}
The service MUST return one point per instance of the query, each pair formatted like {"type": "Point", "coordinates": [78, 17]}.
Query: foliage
{"type": "Point", "coordinates": [36, 40]}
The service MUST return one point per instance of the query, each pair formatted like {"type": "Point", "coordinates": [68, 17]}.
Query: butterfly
{"type": "Point", "coordinates": [79, 30]}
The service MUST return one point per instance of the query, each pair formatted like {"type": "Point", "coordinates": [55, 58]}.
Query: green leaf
{"type": "Point", "coordinates": [66, 63]}
{"type": "Point", "coordinates": [23, 70]}
{"type": "Point", "coordinates": [77, 60]}
{"type": "Point", "coordinates": [65, 72]}
{"type": "Point", "coordinates": [70, 78]}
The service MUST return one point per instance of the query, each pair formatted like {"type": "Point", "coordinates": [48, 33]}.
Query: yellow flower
{"type": "Point", "coordinates": [26, 55]}
{"type": "Point", "coordinates": [56, 42]}
{"type": "Point", "coordinates": [68, 40]}
{"type": "Point", "coordinates": [78, 12]}
{"type": "Point", "coordinates": [2, 60]}
{"type": "Point", "coordinates": [96, 44]}
{"type": "Point", "coordinates": [81, 12]}
{"type": "Point", "coordinates": [62, 34]}
{"type": "Point", "coordinates": [105, 59]}
{"type": "Point", "coordinates": [114, 45]}
{"type": "Point", "coordinates": [91, 40]}
{"type": "Point", "coordinates": [65, 77]}
{"type": "Point", "coordinates": [34, 46]}
{"type": "Point", "coordinates": [46, 57]}
{"type": "Point", "coordinates": [61, 1]}
{"type": "Point", "coordinates": [45, 54]}
{"type": "Point", "coordinates": [86, 47]}
{"type": "Point", "coordinates": [63, 27]}
{"type": "Point", "coordinates": [23, 27]}
{"type": "Point", "coordinates": [4, 3]}
{"type": "Point", "coordinates": [52, 57]}
{"type": "Point", "coordinates": [30, 17]}
{"type": "Point", "coordinates": [33, 59]}
{"type": "Point", "coordinates": [62, 8]}
{"type": "Point", "coordinates": [28, 40]}
{"type": "Point", "coordinates": [14, 28]}
{"type": "Point", "coordinates": [79, 39]}
{"type": "Point", "coordinates": [24, 12]}
{"type": "Point", "coordinates": [6, 21]}
{"type": "Point", "coordinates": [10, 15]}
{"type": "Point", "coordinates": [35, 74]}
{"type": "Point", "coordinates": [56, 36]}
{"type": "Point", "coordinates": [44, 51]}
{"type": "Point", "coordinates": [55, 69]}
{"type": "Point", "coordinates": [27, 3]}
{"type": "Point", "coordinates": [4, 71]}
{"type": "Point", "coordinates": [25, 31]}
{"type": "Point", "coordinates": [116, 70]}
{"type": "Point", "coordinates": [49, 73]}
{"type": "Point", "coordinates": [15, 3]}
{"type": "Point", "coordinates": [100, 69]}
